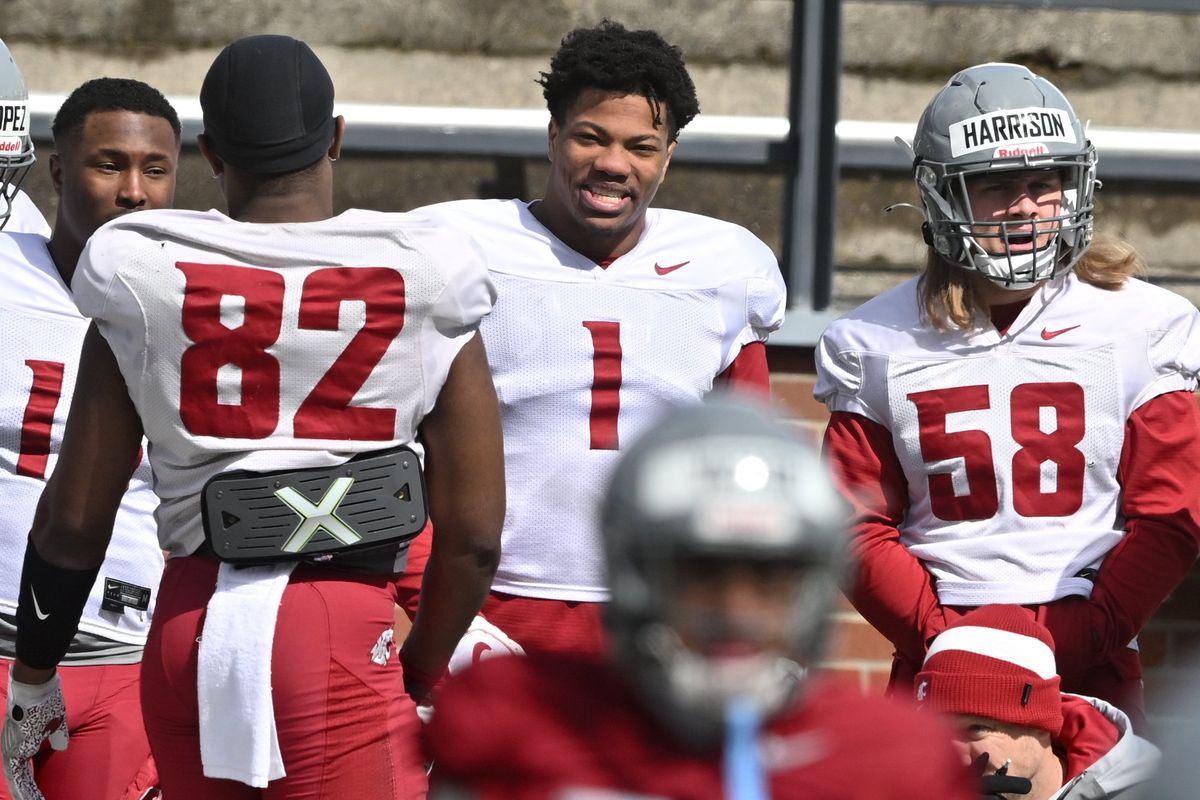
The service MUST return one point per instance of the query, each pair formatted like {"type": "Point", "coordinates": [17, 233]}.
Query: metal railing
{"type": "Point", "coordinates": [1125, 153]}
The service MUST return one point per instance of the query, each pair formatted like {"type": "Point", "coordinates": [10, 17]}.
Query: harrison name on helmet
{"type": "Point", "coordinates": [1018, 126]}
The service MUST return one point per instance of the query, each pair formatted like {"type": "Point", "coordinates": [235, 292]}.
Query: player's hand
{"type": "Point", "coordinates": [36, 712]}
{"type": "Point", "coordinates": [482, 641]}
{"type": "Point", "coordinates": [1077, 625]}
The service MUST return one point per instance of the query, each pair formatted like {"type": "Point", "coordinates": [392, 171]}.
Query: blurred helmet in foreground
{"type": "Point", "coordinates": [726, 541]}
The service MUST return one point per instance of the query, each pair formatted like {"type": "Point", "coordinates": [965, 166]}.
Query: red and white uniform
{"type": "Point", "coordinates": [1046, 462]}
{"type": "Point", "coordinates": [582, 731]}
{"type": "Point", "coordinates": [585, 357]}
{"type": "Point", "coordinates": [268, 346]}
{"type": "Point", "coordinates": [330, 338]}
{"type": "Point", "coordinates": [41, 332]}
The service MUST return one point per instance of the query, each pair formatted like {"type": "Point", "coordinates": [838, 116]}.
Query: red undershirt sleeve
{"type": "Point", "coordinates": [748, 372]}
{"type": "Point", "coordinates": [1160, 462]}
{"type": "Point", "coordinates": [892, 589]}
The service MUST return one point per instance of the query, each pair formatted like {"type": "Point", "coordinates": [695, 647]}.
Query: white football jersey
{"type": "Point", "coordinates": [586, 358]}
{"type": "Point", "coordinates": [1010, 444]}
{"type": "Point", "coordinates": [275, 346]}
{"type": "Point", "coordinates": [41, 333]}
{"type": "Point", "coordinates": [25, 217]}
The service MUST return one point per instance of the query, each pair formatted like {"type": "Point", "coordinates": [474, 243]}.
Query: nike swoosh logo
{"type": "Point", "coordinates": [37, 607]}
{"type": "Point", "coordinates": [480, 649]}
{"type": "Point", "coordinates": [670, 269]}
{"type": "Point", "coordinates": [1048, 334]}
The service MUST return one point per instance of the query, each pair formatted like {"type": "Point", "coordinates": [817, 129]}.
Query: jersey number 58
{"type": "Point", "coordinates": [974, 449]}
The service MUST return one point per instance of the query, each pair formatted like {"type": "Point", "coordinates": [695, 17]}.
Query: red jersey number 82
{"type": "Point", "coordinates": [326, 412]}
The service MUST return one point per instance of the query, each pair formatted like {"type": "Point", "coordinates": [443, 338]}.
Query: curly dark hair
{"type": "Point", "coordinates": [110, 94]}
{"type": "Point", "coordinates": [615, 59]}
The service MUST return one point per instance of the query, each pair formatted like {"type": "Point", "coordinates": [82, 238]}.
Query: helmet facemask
{"type": "Point", "coordinates": [955, 231]}
{"type": "Point", "coordinates": [706, 658]}
{"type": "Point", "coordinates": [12, 175]}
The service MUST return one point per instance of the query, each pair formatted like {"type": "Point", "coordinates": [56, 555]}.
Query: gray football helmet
{"type": "Point", "coordinates": [16, 148]}
{"type": "Point", "coordinates": [1002, 117]}
{"type": "Point", "coordinates": [720, 481]}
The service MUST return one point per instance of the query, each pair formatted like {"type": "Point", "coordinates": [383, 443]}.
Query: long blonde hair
{"type": "Point", "coordinates": [949, 298]}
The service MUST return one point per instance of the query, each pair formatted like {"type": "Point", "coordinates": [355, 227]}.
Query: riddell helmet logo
{"type": "Point", "coordinates": [11, 145]}
{"type": "Point", "coordinates": [1017, 152]}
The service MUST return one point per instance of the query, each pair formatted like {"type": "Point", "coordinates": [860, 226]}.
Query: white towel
{"type": "Point", "coordinates": [238, 740]}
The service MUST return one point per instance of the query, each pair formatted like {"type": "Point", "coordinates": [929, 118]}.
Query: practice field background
{"type": "Point", "coordinates": [1122, 69]}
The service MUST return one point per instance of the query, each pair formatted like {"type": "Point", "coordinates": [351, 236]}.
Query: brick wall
{"type": "Point", "coordinates": [1170, 644]}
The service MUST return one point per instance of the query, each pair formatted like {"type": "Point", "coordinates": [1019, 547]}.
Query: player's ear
{"type": "Point", "coordinates": [552, 133]}
{"type": "Point", "coordinates": [339, 133]}
{"type": "Point", "coordinates": [214, 161]}
{"type": "Point", "coordinates": [56, 173]}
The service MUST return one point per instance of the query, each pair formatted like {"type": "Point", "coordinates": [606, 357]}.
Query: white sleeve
{"type": "Point", "coordinates": [1174, 352]}
{"type": "Point", "coordinates": [752, 302]}
{"type": "Point", "coordinates": [840, 373]}
{"type": "Point", "coordinates": [766, 294]}
{"type": "Point", "coordinates": [469, 293]}
{"type": "Point", "coordinates": [94, 274]}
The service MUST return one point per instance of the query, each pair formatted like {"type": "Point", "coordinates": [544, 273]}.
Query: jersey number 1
{"type": "Point", "coordinates": [606, 384]}
{"type": "Point", "coordinates": [38, 421]}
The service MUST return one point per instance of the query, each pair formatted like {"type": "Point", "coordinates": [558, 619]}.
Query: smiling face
{"type": "Point", "coordinates": [1017, 199]}
{"type": "Point", "coordinates": [607, 160]}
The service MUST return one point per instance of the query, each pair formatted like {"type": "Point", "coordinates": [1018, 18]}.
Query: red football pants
{"type": "Point", "coordinates": [539, 625]}
{"type": "Point", "coordinates": [108, 741]}
{"type": "Point", "coordinates": [346, 727]}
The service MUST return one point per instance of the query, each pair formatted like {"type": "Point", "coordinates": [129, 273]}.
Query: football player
{"type": "Point", "coordinates": [725, 543]}
{"type": "Point", "coordinates": [292, 370]}
{"type": "Point", "coordinates": [608, 311]}
{"type": "Point", "coordinates": [1017, 424]}
{"type": "Point", "coordinates": [116, 151]}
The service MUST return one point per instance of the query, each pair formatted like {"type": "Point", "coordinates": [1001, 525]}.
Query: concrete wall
{"type": "Point", "coordinates": [1120, 69]}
